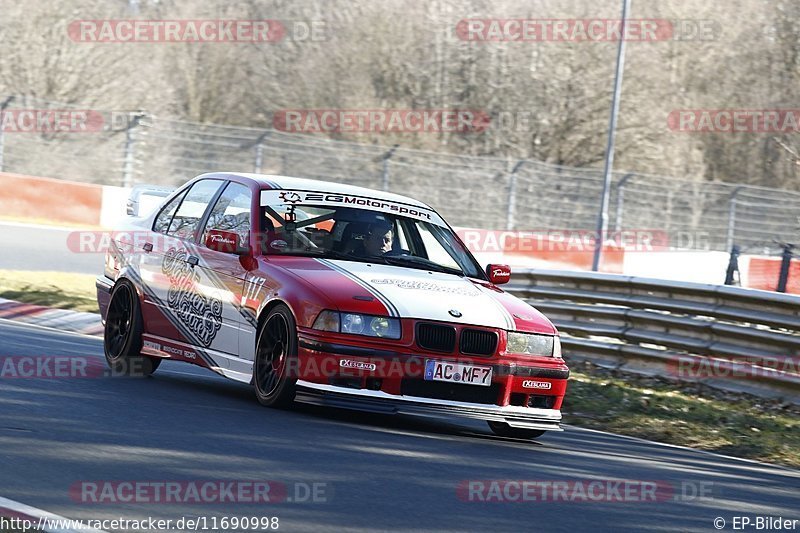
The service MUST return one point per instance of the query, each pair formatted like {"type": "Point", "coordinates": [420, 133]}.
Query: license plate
{"type": "Point", "coordinates": [458, 373]}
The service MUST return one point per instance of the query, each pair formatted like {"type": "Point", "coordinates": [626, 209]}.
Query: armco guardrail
{"type": "Point", "coordinates": [727, 337]}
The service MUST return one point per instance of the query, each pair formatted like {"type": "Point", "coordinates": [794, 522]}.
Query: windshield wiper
{"type": "Point", "coordinates": [414, 261]}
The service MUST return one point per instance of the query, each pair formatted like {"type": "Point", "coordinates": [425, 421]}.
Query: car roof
{"type": "Point", "coordinates": [272, 181]}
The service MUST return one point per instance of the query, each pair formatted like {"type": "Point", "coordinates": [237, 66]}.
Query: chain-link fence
{"type": "Point", "coordinates": [471, 191]}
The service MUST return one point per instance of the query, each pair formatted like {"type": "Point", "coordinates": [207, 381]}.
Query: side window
{"type": "Point", "coordinates": [186, 221]}
{"type": "Point", "coordinates": [232, 213]}
{"type": "Point", "coordinates": [164, 218]}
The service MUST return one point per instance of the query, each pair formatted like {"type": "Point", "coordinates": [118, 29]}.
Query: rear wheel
{"type": "Point", "coordinates": [122, 339]}
{"type": "Point", "coordinates": [276, 352]}
{"type": "Point", "coordinates": [502, 429]}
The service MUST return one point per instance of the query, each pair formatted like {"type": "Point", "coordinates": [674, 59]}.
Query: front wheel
{"type": "Point", "coordinates": [502, 429]}
{"type": "Point", "coordinates": [122, 338]}
{"type": "Point", "coordinates": [276, 352]}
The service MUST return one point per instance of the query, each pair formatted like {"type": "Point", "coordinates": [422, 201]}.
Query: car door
{"type": "Point", "coordinates": [176, 306]}
{"type": "Point", "coordinates": [230, 219]}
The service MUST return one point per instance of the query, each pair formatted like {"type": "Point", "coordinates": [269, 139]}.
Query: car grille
{"type": "Point", "coordinates": [478, 342]}
{"type": "Point", "coordinates": [436, 337]}
{"type": "Point", "coordinates": [450, 391]}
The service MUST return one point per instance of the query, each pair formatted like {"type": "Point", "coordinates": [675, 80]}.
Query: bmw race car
{"type": "Point", "coordinates": [328, 294]}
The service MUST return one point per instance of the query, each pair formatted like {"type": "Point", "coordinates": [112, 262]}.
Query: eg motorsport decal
{"type": "Point", "coordinates": [365, 202]}
{"type": "Point", "coordinates": [290, 197]}
{"type": "Point", "coordinates": [273, 197]}
{"type": "Point", "coordinates": [201, 314]}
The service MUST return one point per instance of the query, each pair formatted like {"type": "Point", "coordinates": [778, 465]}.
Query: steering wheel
{"type": "Point", "coordinates": [397, 253]}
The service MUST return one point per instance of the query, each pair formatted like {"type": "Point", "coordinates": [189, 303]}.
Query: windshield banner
{"type": "Point", "coordinates": [315, 198]}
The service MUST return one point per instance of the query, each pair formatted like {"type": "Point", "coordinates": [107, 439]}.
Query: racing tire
{"type": "Point", "coordinates": [274, 375]}
{"type": "Point", "coordinates": [502, 429]}
{"type": "Point", "coordinates": [122, 337]}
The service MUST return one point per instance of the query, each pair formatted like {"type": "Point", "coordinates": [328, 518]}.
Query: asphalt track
{"type": "Point", "coordinates": [43, 248]}
{"type": "Point", "coordinates": [381, 472]}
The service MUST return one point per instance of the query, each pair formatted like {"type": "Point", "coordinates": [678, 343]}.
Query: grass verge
{"type": "Point", "coordinates": [53, 289]}
{"type": "Point", "coordinates": [686, 414]}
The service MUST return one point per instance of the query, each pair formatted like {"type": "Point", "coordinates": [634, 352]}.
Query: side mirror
{"type": "Point", "coordinates": [225, 242]}
{"type": "Point", "coordinates": [498, 274]}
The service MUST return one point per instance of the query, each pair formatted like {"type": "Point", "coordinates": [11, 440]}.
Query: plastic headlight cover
{"type": "Point", "coordinates": [353, 323]}
{"type": "Point", "coordinates": [557, 347]}
{"type": "Point", "coordinates": [327, 321]}
{"type": "Point", "coordinates": [358, 324]}
{"type": "Point", "coordinates": [387, 328]}
{"type": "Point", "coordinates": [526, 344]}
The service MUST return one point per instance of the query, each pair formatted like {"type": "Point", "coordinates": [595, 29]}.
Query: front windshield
{"type": "Point", "coordinates": [356, 234]}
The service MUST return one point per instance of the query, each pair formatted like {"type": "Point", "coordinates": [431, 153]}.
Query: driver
{"type": "Point", "coordinates": [379, 239]}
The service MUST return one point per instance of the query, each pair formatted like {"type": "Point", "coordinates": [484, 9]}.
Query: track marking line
{"type": "Point", "coordinates": [51, 329]}
{"type": "Point", "coordinates": [787, 469]}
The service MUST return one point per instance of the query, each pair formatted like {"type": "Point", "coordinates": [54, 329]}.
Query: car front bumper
{"type": "Point", "coordinates": [382, 402]}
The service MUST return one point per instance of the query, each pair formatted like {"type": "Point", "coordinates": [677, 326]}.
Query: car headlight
{"type": "Point", "coordinates": [358, 324]}
{"type": "Point", "coordinates": [327, 321]}
{"type": "Point", "coordinates": [539, 345]}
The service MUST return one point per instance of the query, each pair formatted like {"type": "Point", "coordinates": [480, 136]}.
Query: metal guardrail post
{"type": "Point", "coordinates": [602, 217]}
{"type": "Point", "coordinates": [259, 158]}
{"type": "Point", "coordinates": [732, 218]}
{"type": "Point", "coordinates": [130, 141]}
{"type": "Point", "coordinates": [733, 265]}
{"type": "Point", "coordinates": [786, 262]}
{"type": "Point", "coordinates": [621, 200]}
{"type": "Point", "coordinates": [259, 144]}
{"type": "Point", "coordinates": [512, 194]}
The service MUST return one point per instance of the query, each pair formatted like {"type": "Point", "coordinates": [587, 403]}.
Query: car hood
{"type": "Point", "coordinates": [423, 294]}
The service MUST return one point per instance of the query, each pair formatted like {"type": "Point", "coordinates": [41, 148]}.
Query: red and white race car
{"type": "Point", "coordinates": [329, 294]}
